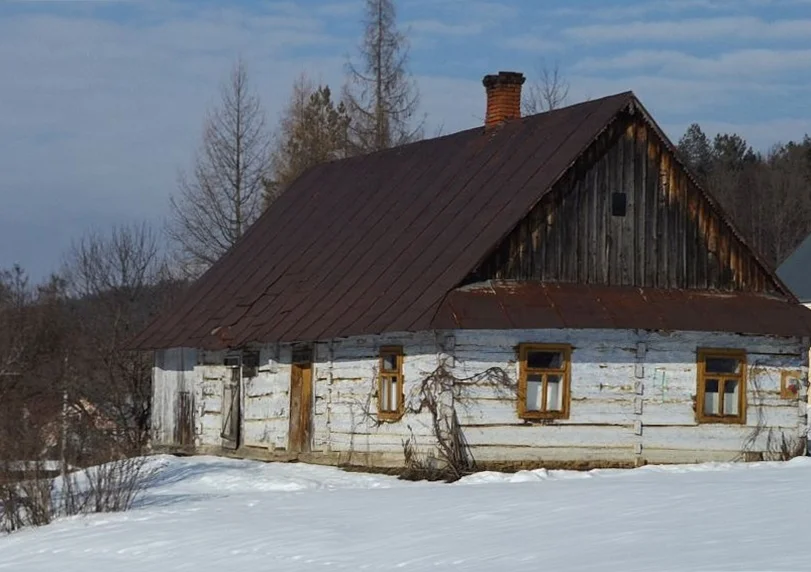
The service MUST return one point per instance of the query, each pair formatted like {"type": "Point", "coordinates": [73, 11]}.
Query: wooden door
{"type": "Point", "coordinates": [184, 415]}
{"type": "Point", "coordinates": [231, 418]}
{"type": "Point", "coordinates": [301, 403]}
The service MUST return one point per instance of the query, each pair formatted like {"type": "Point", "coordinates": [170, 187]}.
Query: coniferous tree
{"type": "Point", "coordinates": [313, 130]}
{"type": "Point", "coordinates": [381, 95]}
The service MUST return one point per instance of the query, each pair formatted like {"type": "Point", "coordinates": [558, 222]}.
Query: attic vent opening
{"type": "Point", "coordinates": [619, 204]}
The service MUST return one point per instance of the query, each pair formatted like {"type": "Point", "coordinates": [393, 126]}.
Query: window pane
{"type": "Point", "coordinates": [711, 401]}
{"type": "Point", "coordinates": [722, 365]}
{"type": "Point", "coordinates": [384, 395]}
{"type": "Point", "coordinates": [389, 362]}
{"type": "Point", "coordinates": [395, 395]}
{"type": "Point", "coordinates": [544, 360]}
{"type": "Point", "coordinates": [554, 393]}
{"type": "Point", "coordinates": [534, 392]}
{"type": "Point", "coordinates": [389, 394]}
{"type": "Point", "coordinates": [731, 397]}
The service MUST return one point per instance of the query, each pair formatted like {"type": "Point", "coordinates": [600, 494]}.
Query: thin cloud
{"type": "Point", "coordinates": [696, 29]}
{"type": "Point", "coordinates": [436, 27]}
{"type": "Point", "coordinates": [535, 43]}
{"type": "Point", "coordinates": [673, 95]}
{"type": "Point", "coordinates": [740, 63]}
{"type": "Point", "coordinates": [604, 11]}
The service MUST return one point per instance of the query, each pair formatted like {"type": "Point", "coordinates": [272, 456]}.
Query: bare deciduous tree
{"type": "Point", "coordinates": [118, 282]}
{"type": "Point", "coordinates": [381, 95]}
{"type": "Point", "coordinates": [312, 130]}
{"type": "Point", "coordinates": [550, 90]}
{"type": "Point", "coordinates": [15, 330]}
{"type": "Point", "coordinates": [222, 196]}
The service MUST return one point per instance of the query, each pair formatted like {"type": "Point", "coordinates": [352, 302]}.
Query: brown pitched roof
{"type": "Point", "coordinates": [374, 243]}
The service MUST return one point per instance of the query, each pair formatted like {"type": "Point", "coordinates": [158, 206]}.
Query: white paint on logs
{"type": "Point", "coordinates": [629, 390]}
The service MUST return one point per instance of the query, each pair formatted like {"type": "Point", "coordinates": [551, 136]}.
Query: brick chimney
{"type": "Point", "coordinates": [503, 97]}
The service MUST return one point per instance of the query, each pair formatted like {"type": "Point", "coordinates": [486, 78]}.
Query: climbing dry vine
{"type": "Point", "coordinates": [443, 395]}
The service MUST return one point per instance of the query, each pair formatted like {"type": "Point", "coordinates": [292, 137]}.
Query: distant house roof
{"type": "Point", "coordinates": [375, 243]}
{"type": "Point", "coordinates": [795, 271]}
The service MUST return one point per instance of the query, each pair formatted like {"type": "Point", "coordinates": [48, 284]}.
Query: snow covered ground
{"type": "Point", "coordinates": [224, 515]}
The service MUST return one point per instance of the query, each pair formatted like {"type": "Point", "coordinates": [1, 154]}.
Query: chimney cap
{"type": "Point", "coordinates": [503, 78]}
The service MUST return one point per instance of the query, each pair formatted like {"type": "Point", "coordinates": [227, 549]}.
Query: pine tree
{"type": "Point", "coordinates": [696, 151]}
{"type": "Point", "coordinates": [313, 130]}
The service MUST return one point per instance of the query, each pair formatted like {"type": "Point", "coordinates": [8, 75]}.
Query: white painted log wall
{"type": "Point", "coordinates": [174, 371]}
{"type": "Point", "coordinates": [265, 400]}
{"type": "Point", "coordinates": [616, 412]}
{"type": "Point", "coordinates": [345, 382]}
{"type": "Point", "coordinates": [621, 409]}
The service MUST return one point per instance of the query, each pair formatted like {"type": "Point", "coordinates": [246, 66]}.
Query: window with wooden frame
{"type": "Point", "coordinates": [790, 383]}
{"type": "Point", "coordinates": [390, 397]}
{"type": "Point", "coordinates": [721, 395]}
{"type": "Point", "coordinates": [544, 373]}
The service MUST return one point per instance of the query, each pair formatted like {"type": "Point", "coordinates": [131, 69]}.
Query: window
{"type": "Point", "coordinates": [250, 363]}
{"type": "Point", "coordinates": [390, 383]}
{"type": "Point", "coordinates": [721, 386]}
{"type": "Point", "coordinates": [543, 381]}
{"type": "Point", "coordinates": [790, 383]}
{"type": "Point", "coordinates": [619, 204]}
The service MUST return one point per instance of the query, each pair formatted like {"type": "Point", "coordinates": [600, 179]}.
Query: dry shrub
{"type": "Point", "coordinates": [34, 498]}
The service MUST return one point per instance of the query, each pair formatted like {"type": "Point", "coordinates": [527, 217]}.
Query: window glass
{"type": "Point", "coordinates": [388, 397]}
{"type": "Point", "coordinates": [731, 397]}
{"type": "Point", "coordinates": [389, 362]}
{"type": "Point", "coordinates": [711, 401]}
{"type": "Point", "coordinates": [716, 364]}
{"type": "Point", "coordinates": [554, 393]}
{"type": "Point", "coordinates": [544, 360]}
{"type": "Point", "coordinates": [534, 392]}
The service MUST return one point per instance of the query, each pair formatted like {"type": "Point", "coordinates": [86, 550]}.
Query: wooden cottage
{"type": "Point", "coordinates": [549, 290]}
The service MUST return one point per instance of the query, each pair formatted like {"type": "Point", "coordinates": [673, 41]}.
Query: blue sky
{"type": "Point", "coordinates": [101, 102]}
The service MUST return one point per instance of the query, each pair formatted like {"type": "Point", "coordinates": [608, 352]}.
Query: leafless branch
{"type": "Point", "coordinates": [548, 91]}
{"type": "Point", "coordinates": [222, 195]}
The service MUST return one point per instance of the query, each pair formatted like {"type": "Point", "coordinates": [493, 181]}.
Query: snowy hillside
{"type": "Point", "coordinates": [224, 515]}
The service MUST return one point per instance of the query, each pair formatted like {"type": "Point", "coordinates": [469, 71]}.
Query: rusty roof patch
{"type": "Point", "coordinates": [507, 305]}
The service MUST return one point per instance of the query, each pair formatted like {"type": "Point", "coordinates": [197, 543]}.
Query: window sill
{"type": "Point", "coordinates": [543, 416]}
{"type": "Point", "coordinates": [706, 420]}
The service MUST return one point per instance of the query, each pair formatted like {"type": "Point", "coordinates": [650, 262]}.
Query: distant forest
{"type": "Point", "coordinates": [766, 194]}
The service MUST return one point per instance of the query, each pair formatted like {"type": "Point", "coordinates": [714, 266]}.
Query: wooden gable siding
{"type": "Point", "coordinates": [670, 237]}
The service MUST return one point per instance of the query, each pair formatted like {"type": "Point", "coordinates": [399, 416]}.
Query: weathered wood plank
{"type": "Point", "coordinates": [671, 237]}
{"type": "Point", "coordinates": [529, 435]}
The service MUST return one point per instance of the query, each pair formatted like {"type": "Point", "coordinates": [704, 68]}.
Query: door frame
{"type": "Point", "coordinates": [231, 410]}
{"type": "Point", "coordinates": [300, 422]}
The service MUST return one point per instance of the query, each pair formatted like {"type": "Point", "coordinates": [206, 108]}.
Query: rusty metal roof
{"type": "Point", "coordinates": [375, 243]}
{"type": "Point", "coordinates": [507, 305]}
